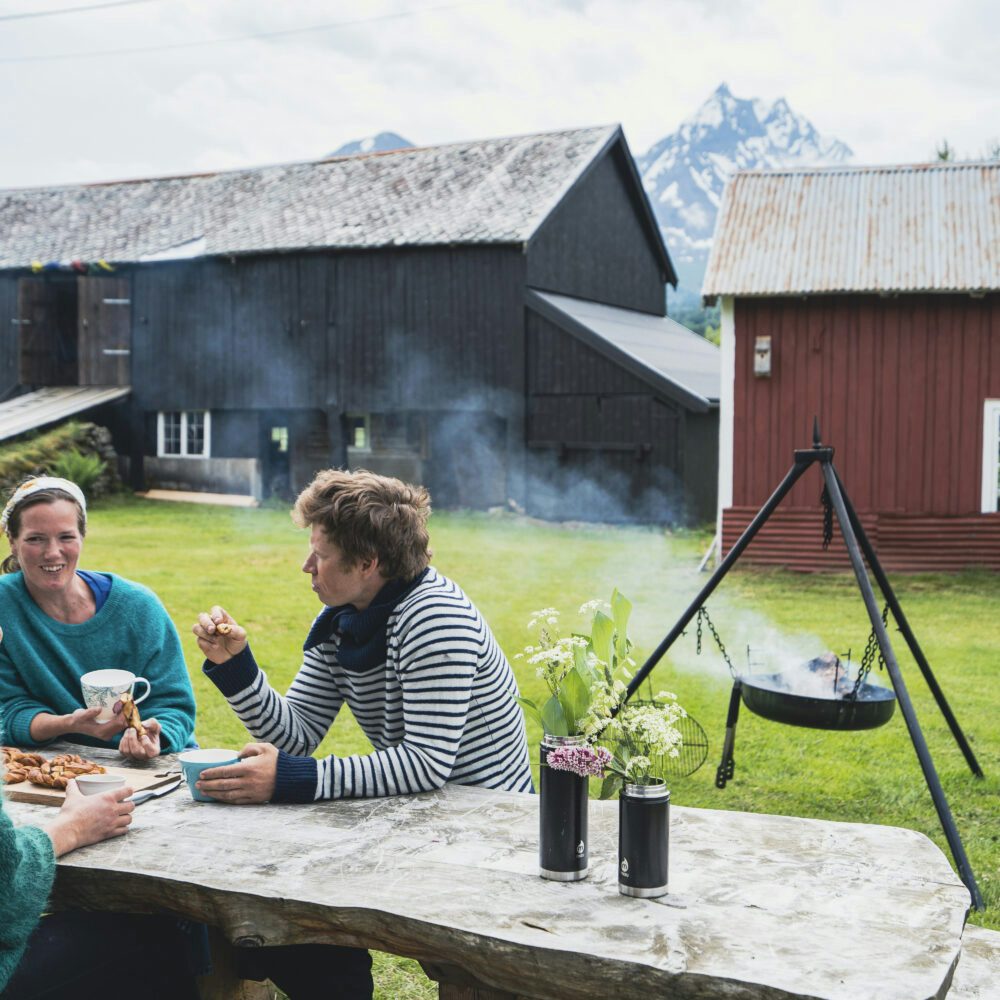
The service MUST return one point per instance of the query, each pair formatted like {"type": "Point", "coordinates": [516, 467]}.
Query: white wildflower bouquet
{"type": "Point", "coordinates": [585, 672]}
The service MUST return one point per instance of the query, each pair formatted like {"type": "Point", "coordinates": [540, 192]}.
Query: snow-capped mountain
{"type": "Point", "coordinates": [685, 172]}
{"type": "Point", "coordinates": [380, 143]}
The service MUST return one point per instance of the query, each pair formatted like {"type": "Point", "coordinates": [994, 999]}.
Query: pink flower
{"type": "Point", "coordinates": [588, 762]}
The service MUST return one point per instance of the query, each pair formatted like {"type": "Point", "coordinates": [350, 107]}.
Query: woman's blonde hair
{"type": "Point", "coordinates": [369, 516]}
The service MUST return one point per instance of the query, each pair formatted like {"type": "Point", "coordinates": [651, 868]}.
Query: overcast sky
{"type": "Point", "coordinates": [891, 78]}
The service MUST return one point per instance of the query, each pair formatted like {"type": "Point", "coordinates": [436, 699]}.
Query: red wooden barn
{"type": "Point", "coordinates": [870, 298]}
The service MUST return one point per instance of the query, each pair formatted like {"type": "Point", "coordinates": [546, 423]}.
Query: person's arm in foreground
{"type": "Point", "coordinates": [27, 860]}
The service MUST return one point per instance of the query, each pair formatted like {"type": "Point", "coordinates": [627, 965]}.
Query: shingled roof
{"type": "Point", "coordinates": [491, 191]}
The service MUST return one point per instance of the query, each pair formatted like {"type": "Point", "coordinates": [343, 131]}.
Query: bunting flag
{"type": "Point", "coordinates": [99, 266]}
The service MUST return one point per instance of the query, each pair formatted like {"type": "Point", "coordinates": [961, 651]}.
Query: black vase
{"type": "Point", "coordinates": [643, 839]}
{"type": "Point", "coordinates": [563, 853]}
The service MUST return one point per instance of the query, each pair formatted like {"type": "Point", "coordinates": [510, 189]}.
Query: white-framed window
{"type": "Point", "coordinates": [991, 456]}
{"type": "Point", "coordinates": [183, 433]}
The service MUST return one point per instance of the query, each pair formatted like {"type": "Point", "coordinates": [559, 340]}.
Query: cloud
{"type": "Point", "coordinates": [891, 79]}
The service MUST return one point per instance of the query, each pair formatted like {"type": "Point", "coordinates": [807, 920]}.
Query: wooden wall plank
{"type": "Point", "coordinates": [898, 384]}
{"type": "Point", "coordinates": [593, 246]}
{"type": "Point", "coordinates": [904, 543]}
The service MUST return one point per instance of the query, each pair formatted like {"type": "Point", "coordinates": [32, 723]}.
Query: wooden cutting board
{"type": "Point", "coordinates": [136, 778]}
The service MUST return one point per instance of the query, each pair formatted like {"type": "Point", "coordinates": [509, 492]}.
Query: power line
{"type": "Point", "coordinates": [72, 10]}
{"type": "Point", "coordinates": [235, 38]}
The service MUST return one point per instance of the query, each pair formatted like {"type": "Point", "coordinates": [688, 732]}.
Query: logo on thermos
{"type": "Point", "coordinates": [624, 867]}
{"type": "Point", "coordinates": [580, 849]}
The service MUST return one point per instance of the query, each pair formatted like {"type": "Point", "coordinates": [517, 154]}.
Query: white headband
{"type": "Point", "coordinates": [36, 485]}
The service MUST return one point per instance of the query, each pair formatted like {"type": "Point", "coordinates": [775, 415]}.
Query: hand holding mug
{"type": "Point", "coordinates": [220, 637]}
{"type": "Point", "coordinates": [103, 688]}
{"type": "Point", "coordinates": [90, 819]}
{"type": "Point", "coordinates": [87, 722]}
{"type": "Point", "coordinates": [251, 779]}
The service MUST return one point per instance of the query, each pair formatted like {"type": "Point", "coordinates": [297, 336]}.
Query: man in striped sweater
{"type": "Point", "coordinates": [398, 642]}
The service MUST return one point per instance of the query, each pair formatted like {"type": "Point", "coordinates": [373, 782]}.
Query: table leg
{"type": "Point", "coordinates": [456, 984]}
{"type": "Point", "coordinates": [223, 983]}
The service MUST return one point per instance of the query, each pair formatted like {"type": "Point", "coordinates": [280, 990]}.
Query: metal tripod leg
{"type": "Point", "coordinates": [802, 462]}
{"type": "Point", "coordinates": [911, 640]}
{"type": "Point", "coordinates": [902, 695]}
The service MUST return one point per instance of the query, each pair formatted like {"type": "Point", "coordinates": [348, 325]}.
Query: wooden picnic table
{"type": "Point", "coordinates": [759, 908]}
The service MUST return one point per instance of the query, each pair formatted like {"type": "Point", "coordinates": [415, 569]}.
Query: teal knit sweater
{"type": "Point", "coordinates": [42, 660]}
{"type": "Point", "coordinates": [27, 868]}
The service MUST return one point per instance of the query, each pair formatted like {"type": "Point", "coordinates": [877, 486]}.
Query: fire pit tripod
{"type": "Point", "coordinates": [856, 542]}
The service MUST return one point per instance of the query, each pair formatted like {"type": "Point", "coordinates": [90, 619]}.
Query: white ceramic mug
{"type": "Point", "coordinates": [102, 688]}
{"type": "Point", "coordinates": [94, 784]}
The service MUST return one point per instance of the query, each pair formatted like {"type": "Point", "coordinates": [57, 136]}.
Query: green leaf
{"type": "Point", "coordinates": [601, 634]}
{"type": "Point", "coordinates": [611, 786]}
{"type": "Point", "coordinates": [621, 610]}
{"type": "Point", "coordinates": [530, 709]}
{"type": "Point", "coordinates": [553, 718]}
{"type": "Point", "coordinates": [574, 696]}
{"type": "Point", "coordinates": [581, 663]}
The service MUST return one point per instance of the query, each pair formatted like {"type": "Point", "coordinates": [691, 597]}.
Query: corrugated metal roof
{"type": "Point", "coordinates": [655, 348]}
{"type": "Point", "coordinates": [48, 406]}
{"type": "Point", "coordinates": [491, 191]}
{"type": "Point", "coordinates": [924, 228]}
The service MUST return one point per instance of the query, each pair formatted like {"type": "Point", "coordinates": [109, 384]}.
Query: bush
{"type": "Point", "coordinates": [45, 452]}
{"type": "Point", "coordinates": [84, 470]}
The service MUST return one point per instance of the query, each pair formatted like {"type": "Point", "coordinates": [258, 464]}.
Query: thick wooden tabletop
{"type": "Point", "coordinates": [759, 906]}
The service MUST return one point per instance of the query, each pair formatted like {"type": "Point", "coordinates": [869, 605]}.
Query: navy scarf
{"type": "Point", "coordinates": [362, 633]}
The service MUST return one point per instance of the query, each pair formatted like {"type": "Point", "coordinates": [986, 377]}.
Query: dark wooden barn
{"type": "Point", "coordinates": [424, 313]}
{"type": "Point", "coordinates": [869, 297]}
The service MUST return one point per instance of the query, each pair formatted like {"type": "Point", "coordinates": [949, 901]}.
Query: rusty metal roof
{"type": "Point", "coordinates": [490, 191]}
{"type": "Point", "coordinates": [924, 228]}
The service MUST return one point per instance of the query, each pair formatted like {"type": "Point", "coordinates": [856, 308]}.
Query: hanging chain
{"type": "Point", "coordinates": [827, 517]}
{"type": "Point", "coordinates": [703, 614]}
{"type": "Point", "coordinates": [869, 655]}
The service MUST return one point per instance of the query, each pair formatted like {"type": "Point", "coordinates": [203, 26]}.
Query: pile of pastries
{"type": "Point", "coordinates": [20, 765]}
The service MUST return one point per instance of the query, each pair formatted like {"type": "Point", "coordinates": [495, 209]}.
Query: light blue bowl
{"type": "Point", "coordinates": [193, 762]}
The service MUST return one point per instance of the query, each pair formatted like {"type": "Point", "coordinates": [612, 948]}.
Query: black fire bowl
{"type": "Point", "coordinates": [763, 695]}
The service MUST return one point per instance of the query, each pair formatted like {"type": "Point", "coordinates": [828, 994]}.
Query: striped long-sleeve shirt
{"type": "Point", "coordinates": [439, 709]}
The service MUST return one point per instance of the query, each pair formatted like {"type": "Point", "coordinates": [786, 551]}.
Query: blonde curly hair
{"type": "Point", "coordinates": [369, 516]}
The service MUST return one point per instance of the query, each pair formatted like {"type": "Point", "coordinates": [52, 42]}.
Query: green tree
{"type": "Point", "coordinates": [945, 151]}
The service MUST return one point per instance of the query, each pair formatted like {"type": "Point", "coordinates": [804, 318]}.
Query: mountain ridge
{"type": "Point", "coordinates": [684, 173]}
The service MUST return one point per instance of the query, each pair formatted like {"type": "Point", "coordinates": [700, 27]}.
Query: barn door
{"type": "Point", "coordinates": [105, 331]}
{"type": "Point", "coordinates": [46, 323]}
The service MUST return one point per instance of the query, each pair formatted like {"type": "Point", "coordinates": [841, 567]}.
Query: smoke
{"type": "Point", "coordinates": [757, 647]}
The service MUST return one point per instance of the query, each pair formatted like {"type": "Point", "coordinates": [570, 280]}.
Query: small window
{"type": "Point", "coordinates": [358, 434]}
{"type": "Point", "coordinates": [991, 456]}
{"type": "Point", "coordinates": [183, 433]}
{"type": "Point", "coordinates": [279, 438]}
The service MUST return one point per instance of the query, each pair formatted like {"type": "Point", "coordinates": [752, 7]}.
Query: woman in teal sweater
{"type": "Point", "coordinates": [68, 954]}
{"type": "Point", "coordinates": [63, 622]}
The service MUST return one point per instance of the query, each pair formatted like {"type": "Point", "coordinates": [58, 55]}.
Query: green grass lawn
{"type": "Point", "coordinates": [248, 561]}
